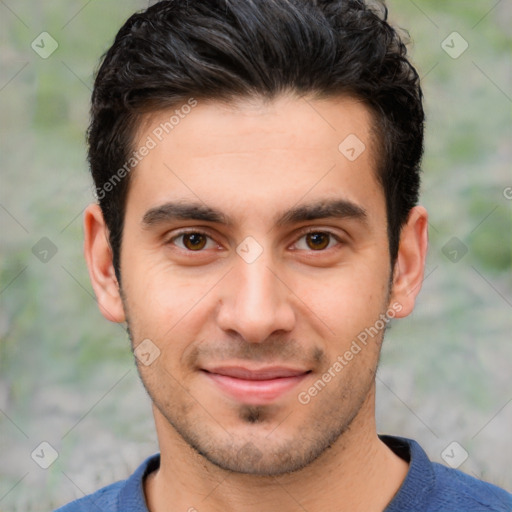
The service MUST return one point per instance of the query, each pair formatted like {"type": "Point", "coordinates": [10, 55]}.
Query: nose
{"type": "Point", "coordinates": [256, 302]}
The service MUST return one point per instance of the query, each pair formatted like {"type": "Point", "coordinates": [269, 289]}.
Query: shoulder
{"type": "Point", "coordinates": [432, 487]}
{"type": "Point", "coordinates": [120, 496]}
{"type": "Point", "coordinates": [103, 499]}
{"type": "Point", "coordinates": [469, 493]}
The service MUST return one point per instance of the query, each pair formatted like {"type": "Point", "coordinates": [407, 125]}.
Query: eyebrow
{"type": "Point", "coordinates": [322, 209]}
{"type": "Point", "coordinates": [183, 211]}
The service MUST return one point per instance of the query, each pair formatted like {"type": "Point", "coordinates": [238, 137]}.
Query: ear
{"type": "Point", "coordinates": [98, 255]}
{"type": "Point", "coordinates": [410, 262]}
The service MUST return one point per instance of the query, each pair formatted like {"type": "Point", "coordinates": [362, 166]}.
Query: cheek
{"type": "Point", "coordinates": [157, 289]}
{"type": "Point", "coordinates": [168, 307]}
{"type": "Point", "coordinates": [347, 299]}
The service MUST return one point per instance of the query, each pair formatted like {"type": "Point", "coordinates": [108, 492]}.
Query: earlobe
{"type": "Point", "coordinates": [98, 255]}
{"type": "Point", "coordinates": [410, 262]}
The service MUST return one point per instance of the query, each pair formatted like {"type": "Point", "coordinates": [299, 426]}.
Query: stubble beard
{"type": "Point", "coordinates": [255, 453]}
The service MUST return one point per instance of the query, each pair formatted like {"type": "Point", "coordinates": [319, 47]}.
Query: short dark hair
{"type": "Point", "coordinates": [232, 49]}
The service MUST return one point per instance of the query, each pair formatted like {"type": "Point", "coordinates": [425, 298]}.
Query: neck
{"type": "Point", "coordinates": [357, 473]}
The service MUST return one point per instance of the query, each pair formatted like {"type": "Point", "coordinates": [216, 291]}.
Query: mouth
{"type": "Point", "coordinates": [257, 386]}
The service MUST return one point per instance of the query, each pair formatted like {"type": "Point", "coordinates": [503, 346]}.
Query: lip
{"type": "Point", "coordinates": [257, 386]}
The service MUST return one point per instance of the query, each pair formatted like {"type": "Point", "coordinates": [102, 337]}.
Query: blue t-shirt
{"type": "Point", "coordinates": [428, 487]}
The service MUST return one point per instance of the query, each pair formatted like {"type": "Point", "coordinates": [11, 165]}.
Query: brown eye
{"type": "Point", "coordinates": [317, 241]}
{"type": "Point", "coordinates": [191, 241]}
{"type": "Point", "coordinates": [194, 241]}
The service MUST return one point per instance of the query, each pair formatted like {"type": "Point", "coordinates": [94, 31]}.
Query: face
{"type": "Point", "coordinates": [254, 260]}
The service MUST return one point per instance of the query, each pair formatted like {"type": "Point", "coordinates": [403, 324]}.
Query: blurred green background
{"type": "Point", "coordinates": [67, 375]}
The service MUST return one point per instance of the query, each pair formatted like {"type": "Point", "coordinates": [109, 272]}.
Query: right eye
{"type": "Point", "coordinates": [193, 241]}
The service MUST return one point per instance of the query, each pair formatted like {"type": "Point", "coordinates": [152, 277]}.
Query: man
{"type": "Point", "coordinates": [257, 170]}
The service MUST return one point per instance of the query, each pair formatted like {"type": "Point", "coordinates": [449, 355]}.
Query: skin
{"type": "Point", "coordinates": [300, 303]}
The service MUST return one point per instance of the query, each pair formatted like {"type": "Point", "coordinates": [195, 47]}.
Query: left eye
{"type": "Point", "coordinates": [317, 241]}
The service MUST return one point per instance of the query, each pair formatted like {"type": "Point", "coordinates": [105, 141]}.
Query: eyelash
{"type": "Point", "coordinates": [302, 235]}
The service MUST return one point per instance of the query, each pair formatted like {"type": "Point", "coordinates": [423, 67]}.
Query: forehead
{"type": "Point", "coordinates": [258, 156]}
